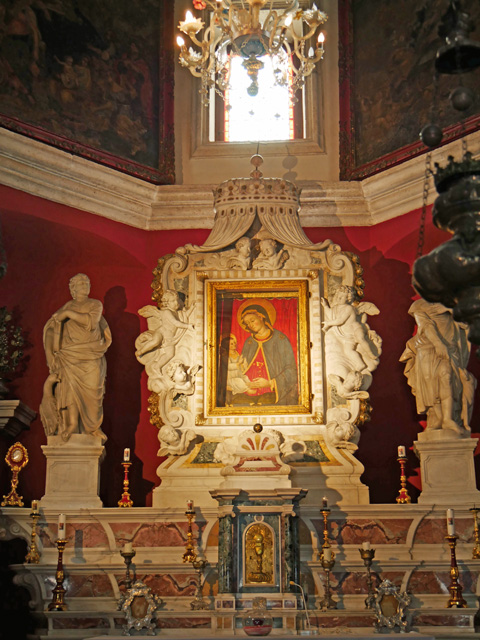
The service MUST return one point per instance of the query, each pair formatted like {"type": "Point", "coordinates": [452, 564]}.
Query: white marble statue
{"type": "Point", "coordinates": [269, 258]}
{"type": "Point", "coordinates": [156, 347]}
{"type": "Point", "coordinates": [435, 365]}
{"type": "Point", "coordinates": [174, 442]}
{"type": "Point", "coordinates": [75, 339]}
{"type": "Point", "coordinates": [352, 348]}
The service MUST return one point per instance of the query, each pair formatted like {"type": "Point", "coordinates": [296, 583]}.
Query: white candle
{"type": "Point", "coordinates": [62, 523]}
{"type": "Point", "coordinates": [35, 506]}
{"type": "Point", "coordinates": [401, 451]}
{"type": "Point", "coordinates": [324, 503]}
{"type": "Point", "coordinates": [450, 523]}
{"type": "Point", "coordinates": [366, 545]}
{"type": "Point", "coordinates": [128, 547]}
{"type": "Point", "coordinates": [189, 505]}
{"type": "Point", "coordinates": [327, 553]}
{"type": "Point", "coordinates": [126, 455]}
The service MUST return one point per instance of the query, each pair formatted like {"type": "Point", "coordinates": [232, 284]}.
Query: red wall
{"type": "Point", "coordinates": [47, 243]}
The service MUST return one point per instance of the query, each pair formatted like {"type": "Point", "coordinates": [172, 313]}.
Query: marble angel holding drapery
{"type": "Point", "coordinates": [352, 348]}
{"type": "Point", "coordinates": [166, 327]}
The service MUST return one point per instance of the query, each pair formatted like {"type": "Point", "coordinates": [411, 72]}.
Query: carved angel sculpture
{"type": "Point", "coordinates": [268, 257]}
{"type": "Point", "coordinates": [156, 347]}
{"type": "Point", "coordinates": [174, 441]}
{"type": "Point", "coordinates": [351, 346]}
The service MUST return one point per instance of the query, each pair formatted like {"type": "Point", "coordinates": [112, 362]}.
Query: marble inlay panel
{"type": "Point", "coordinates": [81, 586]}
{"type": "Point", "coordinates": [80, 623]}
{"type": "Point", "coordinates": [362, 620]}
{"type": "Point", "coordinates": [183, 623]}
{"type": "Point", "coordinates": [441, 620]}
{"type": "Point", "coordinates": [434, 531]}
{"type": "Point", "coordinates": [355, 583]}
{"type": "Point", "coordinates": [389, 531]}
{"type": "Point", "coordinates": [158, 534]}
{"type": "Point", "coordinates": [170, 584]}
{"type": "Point", "coordinates": [439, 581]}
{"type": "Point", "coordinates": [82, 535]}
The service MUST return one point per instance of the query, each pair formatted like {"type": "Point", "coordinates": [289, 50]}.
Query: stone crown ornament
{"type": "Point", "coordinates": [256, 189]}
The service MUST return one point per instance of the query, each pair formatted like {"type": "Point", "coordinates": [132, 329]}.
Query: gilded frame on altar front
{"type": "Point", "coordinates": [258, 352]}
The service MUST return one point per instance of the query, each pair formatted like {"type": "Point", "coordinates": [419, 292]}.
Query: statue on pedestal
{"type": "Point", "coordinates": [75, 339]}
{"type": "Point", "coordinates": [435, 366]}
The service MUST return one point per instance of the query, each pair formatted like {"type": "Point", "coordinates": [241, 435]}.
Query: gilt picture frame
{"type": "Point", "coordinates": [258, 356]}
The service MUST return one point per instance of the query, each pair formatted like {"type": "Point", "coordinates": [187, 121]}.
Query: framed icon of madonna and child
{"type": "Point", "coordinates": [258, 347]}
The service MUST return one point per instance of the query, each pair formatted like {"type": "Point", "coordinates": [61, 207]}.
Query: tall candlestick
{"type": "Point", "coordinates": [450, 522]}
{"type": "Point", "coordinates": [403, 497]}
{"type": "Point", "coordinates": [126, 455]}
{"type": "Point", "coordinates": [126, 500]}
{"type": "Point", "coordinates": [58, 593]}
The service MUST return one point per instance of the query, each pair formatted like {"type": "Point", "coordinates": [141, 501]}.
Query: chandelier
{"type": "Point", "coordinates": [251, 29]}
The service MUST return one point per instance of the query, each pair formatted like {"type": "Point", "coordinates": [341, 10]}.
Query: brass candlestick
{"type": "Point", "coordinates": [33, 555]}
{"type": "Point", "coordinates": [367, 557]}
{"type": "Point", "coordinates": [125, 500]}
{"type": "Point", "coordinates": [16, 458]}
{"type": "Point", "coordinates": [325, 511]}
{"type": "Point", "coordinates": [456, 599]}
{"type": "Point", "coordinates": [128, 557]}
{"type": "Point", "coordinates": [198, 602]}
{"type": "Point", "coordinates": [57, 603]}
{"type": "Point", "coordinates": [189, 555]}
{"type": "Point", "coordinates": [476, 546]}
{"type": "Point", "coordinates": [403, 497]}
{"type": "Point", "coordinates": [327, 601]}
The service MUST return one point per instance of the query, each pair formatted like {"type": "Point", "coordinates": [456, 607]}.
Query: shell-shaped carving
{"type": "Point", "coordinates": [258, 442]}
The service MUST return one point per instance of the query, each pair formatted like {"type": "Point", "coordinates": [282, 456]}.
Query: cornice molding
{"type": "Point", "coordinates": [47, 172]}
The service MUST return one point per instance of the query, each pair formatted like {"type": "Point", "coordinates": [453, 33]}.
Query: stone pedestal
{"type": "Point", "coordinates": [448, 473]}
{"type": "Point", "coordinates": [73, 472]}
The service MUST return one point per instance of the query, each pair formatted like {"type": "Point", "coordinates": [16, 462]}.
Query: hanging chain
{"type": "Point", "coordinates": [421, 231]}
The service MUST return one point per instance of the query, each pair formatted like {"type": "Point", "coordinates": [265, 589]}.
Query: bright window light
{"type": "Point", "coordinates": [266, 116]}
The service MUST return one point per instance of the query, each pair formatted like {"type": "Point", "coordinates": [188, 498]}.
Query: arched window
{"type": "Point", "coordinates": [271, 115]}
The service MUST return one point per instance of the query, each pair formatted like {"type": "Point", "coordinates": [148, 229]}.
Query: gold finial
{"type": "Point", "coordinates": [257, 427]}
{"type": "Point", "coordinates": [257, 161]}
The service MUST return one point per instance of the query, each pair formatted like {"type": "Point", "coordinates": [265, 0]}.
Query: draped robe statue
{"type": "Point", "coordinates": [75, 338]}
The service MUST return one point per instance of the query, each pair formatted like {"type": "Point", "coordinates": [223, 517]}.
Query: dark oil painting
{"type": "Point", "coordinates": [93, 77]}
{"type": "Point", "coordinates": [387, 87]}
